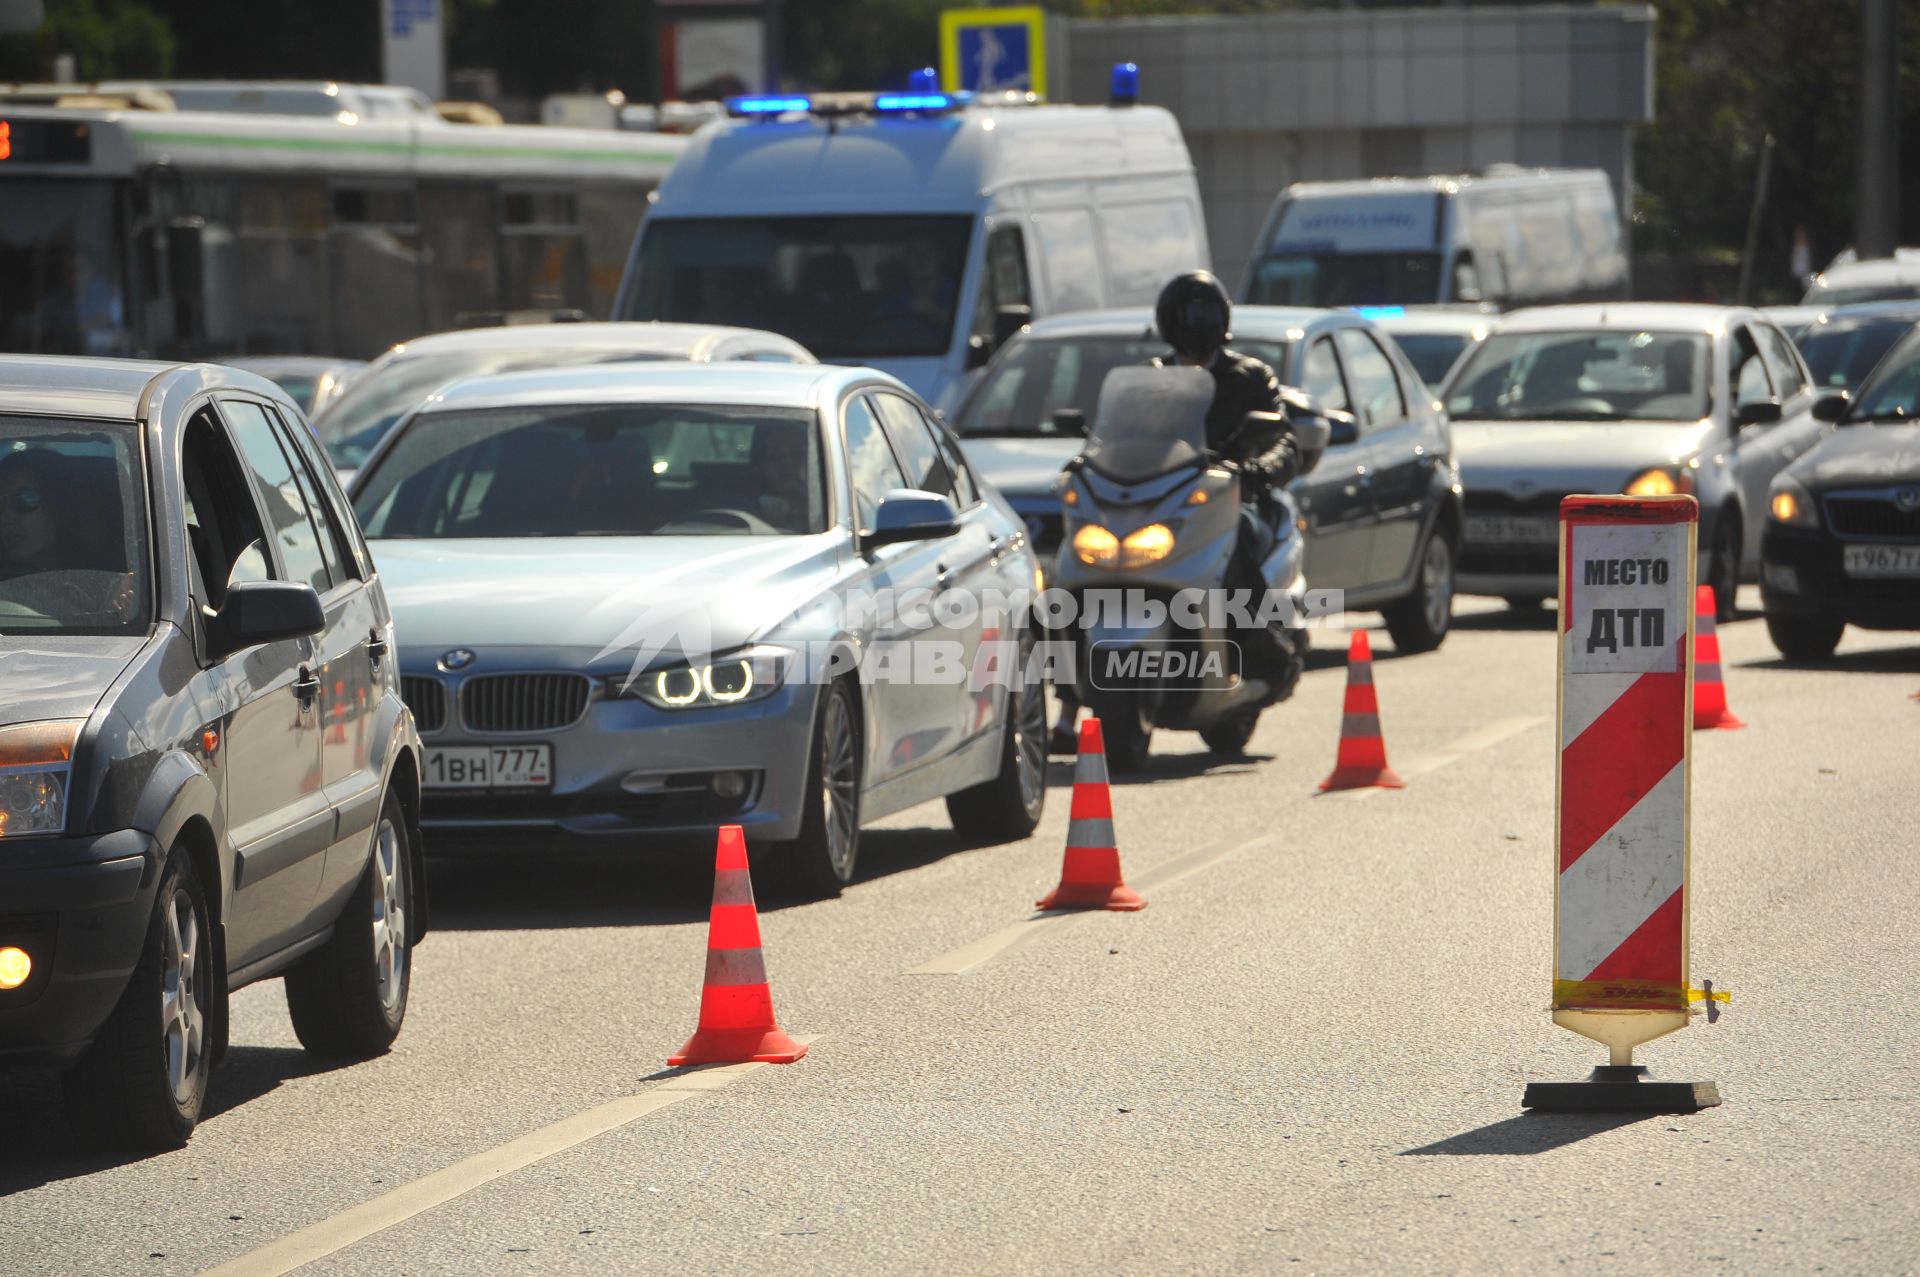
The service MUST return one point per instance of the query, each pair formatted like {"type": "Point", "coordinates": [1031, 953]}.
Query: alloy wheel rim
{"type": "Point", "coordinates": [183, 1023]}
{"type": "Point", "coordinates": [839, 785]}
{"type": "Point", "coordinates": [1030, 742]}
{"type": "Point", "coordinates": [1438, 584]}
{"type": "Point", "coordinates": [389, 916]}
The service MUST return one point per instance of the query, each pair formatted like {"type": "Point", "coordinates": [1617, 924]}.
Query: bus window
{"type": "Point", "coordinates": [458, 227]}
{"type": "Point", "coordinates": [376, 269]}
{"type": "Point", "coordinates": [62, 285]}
{"type": "Point", "coordinates": [283, 266]}
{"type": "Point", "coordinates": [542, 250]}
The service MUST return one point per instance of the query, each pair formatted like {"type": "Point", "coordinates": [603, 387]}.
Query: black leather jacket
{"type": "Point", "coordinates": [1243, 384]}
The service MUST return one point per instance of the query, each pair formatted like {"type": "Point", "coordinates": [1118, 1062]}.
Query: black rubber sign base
{"type": "Point", "coordinates": [1620, 1089]}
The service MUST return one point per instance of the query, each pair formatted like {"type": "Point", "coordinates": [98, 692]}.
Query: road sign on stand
{"type": "Point", "coordinates": [1620, 898]}
{"type": "Point", "coordinates": [993, 50]}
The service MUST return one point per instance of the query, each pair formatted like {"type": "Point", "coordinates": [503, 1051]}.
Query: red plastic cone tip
{"type": "Point", "coordinates": [1091, 742]}
{"type": "Point", "coordinates": [1360, 648]}
{"type": "Point", "coordinates": [736, 1006]}
{"type": "Point", "coordinates": [1710, 711]}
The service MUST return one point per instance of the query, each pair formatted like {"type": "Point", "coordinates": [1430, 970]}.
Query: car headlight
{"type": "Point", "coordinates": [1790, 504]}
{"type": "Point", "coordinates": [733, 679]}
{"type": "Point", "coordinates": [1659, 482]}
{"type": "Point", "coordinates": [1146, 545]}
{"type": "Point", "coordinates": [1096, 547]}
{"type": "Point", "coordinates": [36, 763]}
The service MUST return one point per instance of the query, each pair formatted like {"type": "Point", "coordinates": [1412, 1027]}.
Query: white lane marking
{"type": "Point", "coordinates": [1472, 743]}
{"type": "Point", "coordinates": [317, 1241]}
{"type": "Point", "coordinates": [970, 957]}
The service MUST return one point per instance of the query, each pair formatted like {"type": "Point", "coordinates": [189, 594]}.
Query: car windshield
{"type": "Point", "coordinates": [1894, 393]}
{"type": "Point", "coordinates": [1039, 376]}
{"type": "Point", "coordinates": [1840, 353]}
{"type": "Point", "coordinates": [73, 528]}
{"type": "Point", "coordinates": [1347, 279]}
{"type": "Point", "coordinates": [843, 287]}
{"type": "Point", "coordinates": [598, 470]}
{"type": "Point", "coordinates": [1604, 375]}
{"type": "Point", "coordinates": [1432, 354]}
{"type": "Point", "coordinates": [352, 424]}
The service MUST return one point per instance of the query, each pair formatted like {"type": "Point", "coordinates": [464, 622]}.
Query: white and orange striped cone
{"type": "Point", "coordinates": [1090, 872]}
{"type": "Point", "coordinates": [736, 1006]}
{"type": "Point", "coordinates": [1362, 760]}
{"type": "Point", "coordinates": [1709, 690]}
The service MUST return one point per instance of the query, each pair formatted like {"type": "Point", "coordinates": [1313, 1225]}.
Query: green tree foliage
{"type": "Point", "coordinates": [106, 38]}
{"type": "Point", "coordinates": [1727, 74]}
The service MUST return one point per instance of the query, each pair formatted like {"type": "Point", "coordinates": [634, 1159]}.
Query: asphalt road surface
{"type": "Point", "coordinates": [1307, 1055]}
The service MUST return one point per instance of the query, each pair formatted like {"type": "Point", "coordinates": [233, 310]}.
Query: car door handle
{"type": "Point", "coordinates": [306, 687]}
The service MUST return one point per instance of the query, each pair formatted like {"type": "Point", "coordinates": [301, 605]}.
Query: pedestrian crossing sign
{"type": "Point", "coordinates": [993, 50]}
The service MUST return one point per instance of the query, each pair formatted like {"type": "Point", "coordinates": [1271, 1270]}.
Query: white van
{"type": "Point", "coordinates": [914, 232]}
{"type": "Point", "coordinates": [1509, 237]}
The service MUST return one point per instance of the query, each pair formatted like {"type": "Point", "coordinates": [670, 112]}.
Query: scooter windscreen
{"type": "Point", "coordinates": [1150, 421]}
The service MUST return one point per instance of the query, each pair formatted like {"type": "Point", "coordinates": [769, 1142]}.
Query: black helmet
{"type": "Point", "coordinates": [1192, 313]}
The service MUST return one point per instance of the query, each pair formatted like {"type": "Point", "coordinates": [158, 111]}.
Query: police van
{"type": "Point", "coordinates": [915, 232]}
{"type": "Point", "coordinates": [1506, 237]}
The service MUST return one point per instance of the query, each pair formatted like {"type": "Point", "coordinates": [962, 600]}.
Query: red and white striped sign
{"type": "Point", "coordinates": [1620, 907]}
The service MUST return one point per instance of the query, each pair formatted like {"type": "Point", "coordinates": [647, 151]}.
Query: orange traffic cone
{"type": "Point", "coordinates": [1709, 692]}
{"type": "Point", "coordinates": [736, 1007]}
{"type": "Point", "coordinates": [1362, 760]}
{"type": "Point", "coordinates": [1090, 874]}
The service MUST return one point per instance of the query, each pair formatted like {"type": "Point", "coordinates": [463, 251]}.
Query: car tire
{"type": "Point", "coordinates": [1008, 807]}
{"type": "Point", "coordinates": [1805, 638]}
{"type": "Point", "coordinates": [1723, 567]}
{"type": "Point", "coordinates": [821, 862]}
{"type": "Point", "coordinates": [1126, 730]}
{"type": "Point", "coordinates": [1524, 605]}
{"type": "Point", "coordinates": [1230, 735]}
{"type": "Point", "coordinates": [1420, 621]}
{"type": "Point", "coordinates": [142, 1083]}
{"type": "Point", "coordinates": [348, 998]}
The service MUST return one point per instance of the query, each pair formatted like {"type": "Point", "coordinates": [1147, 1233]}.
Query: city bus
{"type": "Point", "coordinates": [193, 234]}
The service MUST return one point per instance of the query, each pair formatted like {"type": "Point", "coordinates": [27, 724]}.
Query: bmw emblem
{"type": "Point", "coordinates": [458, 659]}
{"type": "Point", "coordinates": [1907, 499]}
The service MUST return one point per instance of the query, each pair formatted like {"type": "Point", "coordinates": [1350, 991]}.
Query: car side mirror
{"type": "Point", "coordinates": [907, 515]}
{"type": "Point", "coordinates": [1070, 421]}
{"type": "Point", "coordinates": [257, 612]}
{"type": "Point", "coordinates": [1342, 428]}
{"type": "Point", "coordinates": [979, 351]}
{"type": "Point", "coordinates": [1007, 323]}
{"type": "Point", "coordinates": [1832, 407]}
{"type": "Point", "coordinates": [1758, 412]}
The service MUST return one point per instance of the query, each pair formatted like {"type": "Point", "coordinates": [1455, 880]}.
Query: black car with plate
{"type": "Point", "coordinates": [207, 774]}
{"type": "Point", "coordinates": [1842, 542]}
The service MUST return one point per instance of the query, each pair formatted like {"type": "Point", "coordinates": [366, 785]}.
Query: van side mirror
{"type": "Point", "coordinates": [1070, 421]}
{"type": "Point", "coordinates": [258, 612]}
{"type": "Point", "coordinates": [1832, 407]}
{"type": "Point", "coordinates": [1759, 412]}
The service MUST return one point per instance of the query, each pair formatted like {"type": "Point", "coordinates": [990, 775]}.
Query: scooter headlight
{"type": "Point", "coordinates": [1096, 547]}
{"type": "Point", "coordinates": [1147, 545]}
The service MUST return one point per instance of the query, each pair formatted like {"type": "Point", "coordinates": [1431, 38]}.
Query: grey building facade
{"type": "Point", "coordinates": [1268, 100]}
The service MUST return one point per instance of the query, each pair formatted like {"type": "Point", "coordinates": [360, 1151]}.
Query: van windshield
{"type": "Point", "coordinates": [1347, 279]}
{"type": "Point", "coordinates": [843, 287]}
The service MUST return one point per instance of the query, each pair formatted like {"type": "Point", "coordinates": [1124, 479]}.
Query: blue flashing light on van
{"type": "Point", "coordinates": [1126, 83]}
{"type": "Point", "coordinates": [751, 106]}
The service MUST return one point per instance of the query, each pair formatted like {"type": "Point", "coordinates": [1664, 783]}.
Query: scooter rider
{"type": "Point", "coordinates": [1192, 315]}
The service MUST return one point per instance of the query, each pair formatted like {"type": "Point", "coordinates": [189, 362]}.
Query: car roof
{"type": "Point", "coordinates": [116, 389]}
{"type": "Point", "coordinates": [1625, 317]}
{"type": "Point", "coordinates": [640, 336]}
{"type": "Point", "coordinates": [1907, 309]}
{"type": "Point", "coordinates": [1420, 319]}
{"type": "Point", "coordinates": [741, 384]}
{"type": "Point", "coordinates": [1269, 323]}
{"type": "Point", "coordinates": [1876, 270]}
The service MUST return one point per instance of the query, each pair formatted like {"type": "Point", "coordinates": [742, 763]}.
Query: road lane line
{"type": "Point", "coordinates": [970, 957]}
{"type": "Point", "coordinates": [1472, 743]}
{"type": "Point", "coordinates": [317, 1241]}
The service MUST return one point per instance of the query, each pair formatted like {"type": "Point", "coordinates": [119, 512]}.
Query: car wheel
{"type": "Point", "coordinates": [1805, 638]}
{"type": "Point", "coordinates": [1419, 622]}
{"type": "Point", "coordinates": [1008, 807]}
{"type": "Point", "coordinates": [1524, 604]}
{"type": "Point", "coordinates": [1126, 729]}
{"type": "Point", "coordinates": [1723, 567]}
{"type": "Point", "coordinates": [142, 1082]}
{"type": "Point", "coordinates": [820, 862]}
{"type": "Point", "coordinates": [1230, 735]}
{"type": "Point", "coordinates": [349, 997]}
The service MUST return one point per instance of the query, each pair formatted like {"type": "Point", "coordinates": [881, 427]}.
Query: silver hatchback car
{"type": "Point", "coordinates": [640, 601]}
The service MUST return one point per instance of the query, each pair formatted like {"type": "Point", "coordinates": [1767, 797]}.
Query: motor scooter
{"type": "Point", "coordinates": [1151, 521]}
